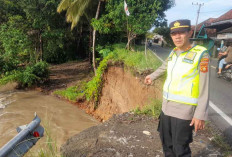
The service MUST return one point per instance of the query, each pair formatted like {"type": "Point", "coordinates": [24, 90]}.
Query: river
{"type": "Point", "coordinates": [60, 119]}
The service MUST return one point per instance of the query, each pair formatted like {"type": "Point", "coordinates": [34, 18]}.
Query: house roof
{"type": "Point", "coordinates": [224, 17]}
{"type": "Point", "coordinates": [206, 22]}
{"type": "Point", "coordinates": [210, 32]}
{"type": "Point", "coordinates": [217, 24]}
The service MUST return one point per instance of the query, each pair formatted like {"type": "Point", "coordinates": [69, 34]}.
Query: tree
{"type": "Point", "coordinates": [15, 43]}
{"type": "Point", "coordinates": [48, 29]}
{"type": "Point", "coordinates": [143, 15]}
{"type": "Point", "coordinates": [75, 10]}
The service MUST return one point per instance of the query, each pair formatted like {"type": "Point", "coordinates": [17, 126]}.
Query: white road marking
{"type": "Point", "coordinates": [211, 104]}
{"type": "Point", "coordinates": [156, 55]}
{"type": "Point", "coordinates": [222, 114]}
{"type": "Point", "coordinates": [213, 67]}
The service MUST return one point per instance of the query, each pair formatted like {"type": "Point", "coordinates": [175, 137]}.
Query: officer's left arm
{"type": "Point", "coordinates": [201, 112]}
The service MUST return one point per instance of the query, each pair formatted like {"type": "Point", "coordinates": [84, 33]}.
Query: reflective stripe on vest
{"type": "Point", "coordinates": [179, 98]}
{"type": "Point", "coordinates": [182, 83]}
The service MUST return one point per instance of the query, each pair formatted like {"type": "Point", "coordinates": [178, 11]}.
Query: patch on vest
{"type": "Point", "coordinates": [189, 57]}
{"type": "Point", "coordinates": [204, 64]}
{"type": "Point", "coordinates": [195, 49]}
{"type": "Point", "coordinates": [170, 56]}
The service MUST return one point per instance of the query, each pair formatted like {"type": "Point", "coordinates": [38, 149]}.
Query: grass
{"type": "Point", "coordinates": [49, 148]}
{"type": "Point", "coordinates": [136, 60]}
{"type": "Point", "coordinates": [72, 93]}
{"type": "Point", "coordinates": [219, 140]}
{"type": "Point", "coordinates": [152, 109]}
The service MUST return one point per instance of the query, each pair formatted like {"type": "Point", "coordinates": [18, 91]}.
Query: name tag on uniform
{"type": "Point", "coordinates": [189, 57]}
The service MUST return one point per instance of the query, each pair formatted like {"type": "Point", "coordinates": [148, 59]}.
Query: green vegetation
{"type": "Point", "coordinates": [143, 16]}
{"type": "Point", "coordinates": [136, 60]}
{"type": "Point", "coordinates": [91, 90]}
{"type": "Point", "coordinates": [152, 109]}
{"type": "Point", "coordinates": [73, 93]}
{"type": "Point", "coordinates": [49, 147]}
{"type": "Point", "coordinates": [33, 31]}
{"type": "Point", "coordinates": [93, 87]}
{"type": "Point", "coordinates": [219, 140]}
{"type": "Point", "coordinates": [25, 77]}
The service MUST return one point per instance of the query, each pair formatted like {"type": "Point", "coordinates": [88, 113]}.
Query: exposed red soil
{"type": "Point", "coordinates": [123, 92]}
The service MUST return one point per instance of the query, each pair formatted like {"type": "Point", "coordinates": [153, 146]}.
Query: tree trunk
{"type": "Point", "coordinates": [130, 37]}
{"type": "Point", "coordinates": [37, 48]}
{"type": "Point", "coordinates": [90, 43]}
{"type": "Point", "coordinates": [41, 46]}
{"type": "Point", "coordinates": [79, 38]}
{"type": "Point", "coordinates": [94, 37]}
{"type": "Point", "coordinates": [128, 44]}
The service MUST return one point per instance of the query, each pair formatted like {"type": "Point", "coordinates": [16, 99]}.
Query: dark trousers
{"type": "Point", "coordinates": [175, 135]}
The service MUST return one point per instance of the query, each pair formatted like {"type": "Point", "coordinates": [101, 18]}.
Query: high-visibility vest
{"type": "Point", "coordinates": [182, 82]}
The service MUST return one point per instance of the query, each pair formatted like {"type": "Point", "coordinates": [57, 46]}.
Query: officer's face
{"type": "Point", "coordinates": [181, 39]}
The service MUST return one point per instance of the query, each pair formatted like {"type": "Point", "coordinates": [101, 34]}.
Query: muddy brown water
{"type": "Point", "coordinates": [60, 118]}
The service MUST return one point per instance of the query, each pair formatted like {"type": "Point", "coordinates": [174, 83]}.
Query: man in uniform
{"type": "Point", "coordinates": [185, 92]}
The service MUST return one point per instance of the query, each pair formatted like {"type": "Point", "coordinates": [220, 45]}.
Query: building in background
{"type": "Point", "coordinates": [218, 29]}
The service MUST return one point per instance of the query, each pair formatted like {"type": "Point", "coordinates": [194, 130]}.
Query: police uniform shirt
{"type": "Point", "coordinates": [184, 111]}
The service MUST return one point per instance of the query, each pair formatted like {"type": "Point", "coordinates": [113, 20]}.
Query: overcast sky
{"type": "Point", "coordinates": [185, 10]}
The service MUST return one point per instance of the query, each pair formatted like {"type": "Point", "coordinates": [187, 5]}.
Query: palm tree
{"type": "Point", "coordinates": [75, 10]}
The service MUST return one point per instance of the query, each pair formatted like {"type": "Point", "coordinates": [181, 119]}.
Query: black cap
{"type": "Point", "coordinates": [180, 26]}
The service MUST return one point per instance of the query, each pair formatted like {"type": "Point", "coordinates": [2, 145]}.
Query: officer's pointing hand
{"type": "Point", "coordinates": [148, 80]}
{"type": "Point", "coordinates": [198, 124]}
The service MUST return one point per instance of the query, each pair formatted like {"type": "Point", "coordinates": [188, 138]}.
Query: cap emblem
{"type": "Point", "coordinates": [176, 24]}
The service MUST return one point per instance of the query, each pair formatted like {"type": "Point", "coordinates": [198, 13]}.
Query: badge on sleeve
{"type": "Point", "coordinates": [204, 64]}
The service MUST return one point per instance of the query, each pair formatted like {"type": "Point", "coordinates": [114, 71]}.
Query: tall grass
{"type": "Point", "coordinates": [152, 109]}
{"type": "Point", "coordinates": [136, 60]}
{"type": "Point", "coordinates": [219, 140]}
{"type": "Point", "coordinates": [72, 93]}
{"type": "Point", "coordinates": [49, 148]}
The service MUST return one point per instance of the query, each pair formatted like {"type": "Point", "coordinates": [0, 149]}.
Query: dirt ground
{"type": "Point", "coordinates": [66, 74]}
{"type": "Point", "coordinates": [129, 135]}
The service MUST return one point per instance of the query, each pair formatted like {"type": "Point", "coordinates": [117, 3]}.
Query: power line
{"type": "Point", "coordinates": [215, 11]}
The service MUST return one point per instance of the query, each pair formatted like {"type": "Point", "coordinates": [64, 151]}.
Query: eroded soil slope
{"type": "Point", "coordinates": [123, 92]}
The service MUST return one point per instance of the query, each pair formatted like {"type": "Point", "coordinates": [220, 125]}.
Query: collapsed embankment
{"type": "Point", "coordinates": [122, 92]}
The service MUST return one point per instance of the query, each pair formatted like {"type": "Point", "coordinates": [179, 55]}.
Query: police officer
{"type": "Point", "coordinates": [185, 91]}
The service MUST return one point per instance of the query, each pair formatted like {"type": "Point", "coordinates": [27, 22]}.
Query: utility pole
{"type": "Point", "coordinates": [198, 12]}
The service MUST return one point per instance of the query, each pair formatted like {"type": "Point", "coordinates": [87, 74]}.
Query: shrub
{"type": "Point", "coordinates": [27, 77]}
{"type": "Point", "coordinates": [41, 70]}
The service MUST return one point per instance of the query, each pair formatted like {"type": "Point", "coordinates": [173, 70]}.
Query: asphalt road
{"type": "Point", "coordinates": [220, 110]}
